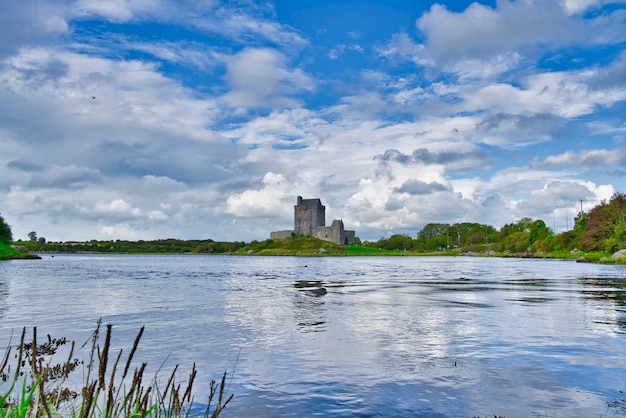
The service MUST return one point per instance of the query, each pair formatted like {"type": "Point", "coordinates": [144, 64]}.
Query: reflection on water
{"type": "Point", "coordinates": [405, 336]}
{"type": "Point", "coordinates": [309, 305]}
{"type": "Point", "coordinates": [608, 294]}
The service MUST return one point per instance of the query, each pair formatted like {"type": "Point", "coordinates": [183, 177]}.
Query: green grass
{"type": "Point", "coordinates": [109, 390]}
{"type": "Point", "coordinates": [360, 250]}
{"type": "Point", "coordinates": [8, 253]}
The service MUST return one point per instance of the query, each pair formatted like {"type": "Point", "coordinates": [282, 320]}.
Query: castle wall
{"type": "Point", "coordinates": [335, 233]}
{"type": "Point", "coordinates": [349, 236]}
{"type": "Point", "coordinates": [308, 214]}
{"type": "Point", "coordinates": [281, 234]}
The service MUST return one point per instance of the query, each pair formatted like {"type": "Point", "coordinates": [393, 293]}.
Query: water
{"type": "Point", "coordinates": [349, 336]}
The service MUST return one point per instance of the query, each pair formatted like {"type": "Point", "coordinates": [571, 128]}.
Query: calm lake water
{"type": "Point", "coordinates": [389, 336]}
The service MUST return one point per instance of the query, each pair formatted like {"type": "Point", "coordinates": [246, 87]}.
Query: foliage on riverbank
{"type": "Point", "coordinates": [9, 253]}
{"type": "Point", "coordinates": [34, 385]}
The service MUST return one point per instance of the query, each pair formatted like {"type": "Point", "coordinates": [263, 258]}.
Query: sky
{"type": "Point", "coordinates": [205, 119]}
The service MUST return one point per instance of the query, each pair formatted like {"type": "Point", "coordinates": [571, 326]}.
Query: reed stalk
{"type": "Point", "coordinates": [104, 392]}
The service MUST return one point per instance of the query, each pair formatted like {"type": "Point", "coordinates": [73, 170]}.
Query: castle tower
{"type": "Point", "coordinates": [308, 215]}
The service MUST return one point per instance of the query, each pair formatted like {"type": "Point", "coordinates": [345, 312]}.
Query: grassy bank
{"type": "Point", "coordinates": [9, 253]}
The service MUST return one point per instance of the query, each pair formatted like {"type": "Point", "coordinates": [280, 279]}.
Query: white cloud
{"type": "Point", "coordinates": [260, 77]}
{"type": "Point", "coordinates": [119, 230]}
{"type": "Point", "coordinates": [129, 10]}
{"type": "Point", "coordinates": [269, 201]}
{"type": "Point", "coordinates": [36, 21]}
{"type": "Point", "coordinates": [586, 158]}
{"type": "Point", "coordinates": [242, 26]}
{"type": "Point", "coordinates": [157, 215]}
{"type": "Point", "coordinates": [579, 6]}
{"type": "Point", "coordinates": [117, 205]}
{"type": "Point", "coordinates": [483, 32]}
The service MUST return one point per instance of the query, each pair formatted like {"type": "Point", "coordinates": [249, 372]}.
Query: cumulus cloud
{"type": "Point", "coordinates": [260, 77]}
{"type": "Point", "coordinates": [379, 206]}
{"type": "Point", "coordinates": [482, 31]}
{"type": "Point", "coordinates": [269, 201]}
{"type": "Point", "coordinates": [418, 187]}
{"type": "Point", "coordinates": [117, 205]}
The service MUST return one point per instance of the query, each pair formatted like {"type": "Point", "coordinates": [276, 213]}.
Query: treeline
{"type": "Point", "coordinates": [602, 229]}
{"type": "Point", "coordinates": [161, 246]}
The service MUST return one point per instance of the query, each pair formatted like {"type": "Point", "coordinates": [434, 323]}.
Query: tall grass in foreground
{"type": "Point", "coordinates": [35, 386]}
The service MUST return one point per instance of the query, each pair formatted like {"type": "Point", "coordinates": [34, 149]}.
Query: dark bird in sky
{"type": "Point", "coordinates": [93, 97]}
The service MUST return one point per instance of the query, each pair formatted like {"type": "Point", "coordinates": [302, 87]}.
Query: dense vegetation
{"type": "Point", "coordinates": [600, 231]}
{"type": "Point", "coordinates": [6, 236]}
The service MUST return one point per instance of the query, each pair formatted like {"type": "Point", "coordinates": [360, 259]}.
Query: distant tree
{"type": "Point", "coordinates": [399, 242]}
{"type": "Point", "coordinates": [32, 236]}
{"type": "Point", "coordinates": [538, 231]}
{"type": "Point", "coordinates": [6, 236]}
{"type": "Point", "coordinates": [523, 225]}
{"type": "Point", "coordinates": [433, 236]}
{"type": "Point", "coordinates": [41, 240]}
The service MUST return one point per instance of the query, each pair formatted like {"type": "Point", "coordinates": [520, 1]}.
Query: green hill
{"type": "Point", "coordinates": [293, 246]}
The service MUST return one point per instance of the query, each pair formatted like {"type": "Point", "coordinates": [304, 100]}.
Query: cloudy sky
{"type": "Point", "coordinates": [195, 119]}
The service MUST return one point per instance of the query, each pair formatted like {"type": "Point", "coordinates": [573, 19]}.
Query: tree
{"type": "Point", "coordinates": [517, 242]}
{"type": "Point", "coordinates": [523, 225]}
{"type": "Point", "coordinates": [433, 236]}
{"type": "Point", "coordinates": [6, 236]}
{"type": "Point", "coordinates": [32, 236]}
{"type": "Point", "coordinates": [538, 231]}
{"type": "Point", "coordinates": [605, 225]}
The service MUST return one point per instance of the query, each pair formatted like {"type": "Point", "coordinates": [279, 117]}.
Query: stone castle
{"type": "Point", "coordinates": [310, 219]}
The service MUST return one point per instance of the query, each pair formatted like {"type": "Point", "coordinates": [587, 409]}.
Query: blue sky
{"type": "Point", "coordinates": [196, 119]}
